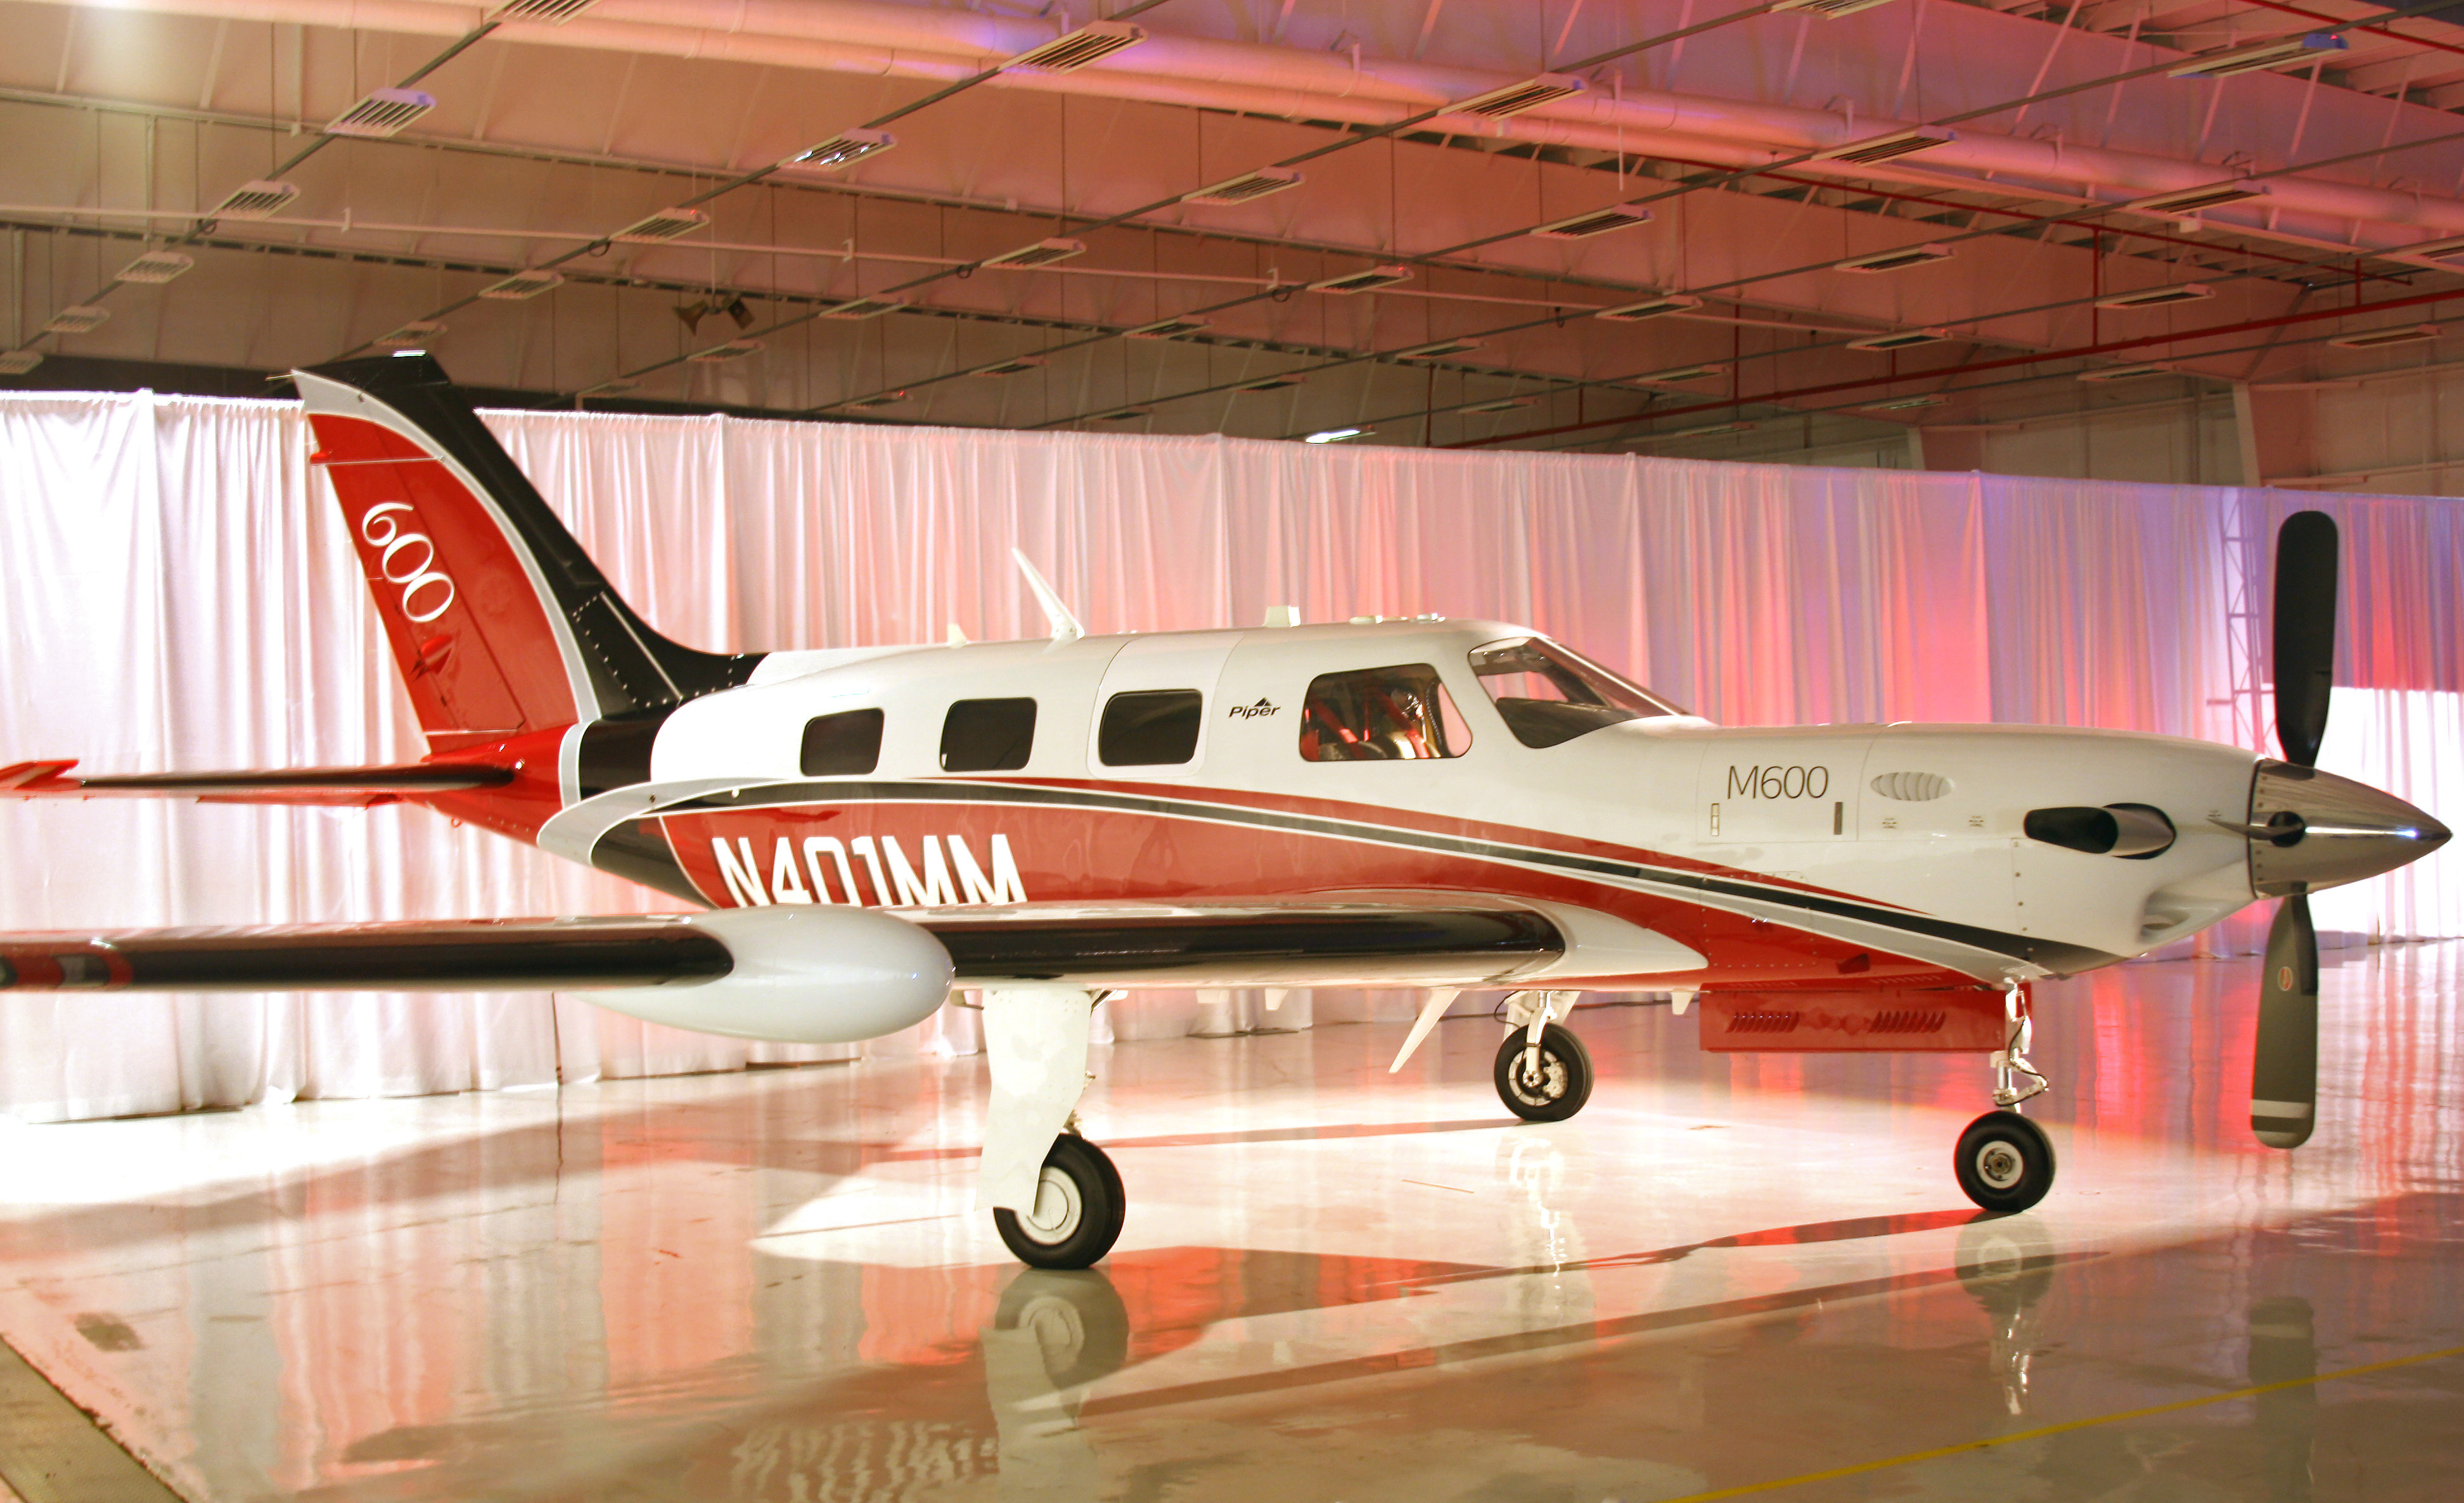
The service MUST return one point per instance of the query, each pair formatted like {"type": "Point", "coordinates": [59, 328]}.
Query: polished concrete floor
{"type": "Point", "coordinates": [1730, 1276]}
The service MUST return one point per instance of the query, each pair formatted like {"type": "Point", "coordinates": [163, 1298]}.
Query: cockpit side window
{"type": "Point", "coordinates": [1547, 694]}
{"type": "Point", "coordinates": [1391, 715]}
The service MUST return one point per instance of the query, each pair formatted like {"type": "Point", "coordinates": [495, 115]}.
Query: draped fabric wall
{"type": "Point", "coordinates": [178, 593]}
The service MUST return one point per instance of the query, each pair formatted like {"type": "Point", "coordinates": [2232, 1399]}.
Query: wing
{"type": "Point", "coordinates": [345, 786]}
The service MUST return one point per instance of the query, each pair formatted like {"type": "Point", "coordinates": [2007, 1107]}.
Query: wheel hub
{"type": "Point", "coordinates": [1543, 1085]}
{"type": "Point", "coordinates": [1057, 1210]}
{"type": "Point", "coordinates": [2001, 1165]}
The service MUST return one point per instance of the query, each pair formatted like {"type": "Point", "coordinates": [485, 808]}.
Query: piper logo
{"type": "Point", "coordinates": [1253, 712]}
{"type": "Point", "coordinates": [895, 879]}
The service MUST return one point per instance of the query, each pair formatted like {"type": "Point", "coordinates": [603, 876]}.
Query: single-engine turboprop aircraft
{"type": "Point", "coordinates": [1424, 803]}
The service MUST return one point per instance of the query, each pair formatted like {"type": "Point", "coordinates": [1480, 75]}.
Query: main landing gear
{"type": "Point", "coordinates": [1544, 1073]}
{"type": "Point", "coordinates": [2004, 1161]}
{"type": "Point", "coordinates": [1056, 1200]}
{"type": "Point", "coordinates": [1077, 1211]}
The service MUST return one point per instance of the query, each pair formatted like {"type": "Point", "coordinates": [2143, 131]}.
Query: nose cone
{"type": "Point", "coordinates": [2310, 830]}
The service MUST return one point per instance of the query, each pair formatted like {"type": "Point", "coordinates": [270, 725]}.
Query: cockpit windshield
{"type": "Point", "coordinates": [1547, 694]}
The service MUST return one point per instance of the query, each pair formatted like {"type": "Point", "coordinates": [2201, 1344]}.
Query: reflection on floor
{"type": "Point", "coordinates": [1730, 1270]}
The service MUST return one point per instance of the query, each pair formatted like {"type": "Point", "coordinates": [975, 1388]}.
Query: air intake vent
{"type": "Point", "coordinates": [732, 349]}
{"type": "Point", "coordinates": [382, 114]}
{"type": "Point", "coordinates": [2228, 62]}
{"type": "Point", "coordinates": [155, 266]}
{"type": "Point", "coordinates": [2191, 201]}
{"type": "Point", "coordinates": [1247, 187]}
{"type": "Point", "coordinates": [1904, 339]}
{"type": "Point", "coordinates": [1014, 367]}
{"type": "Point", "coordinates": [2124, 373]}
{"type": "Point", "coordinates": [1648, 308]}
{"type": "Point", "coordinates": [1883, 148]}
{"type": "Point", "coordinates": [1368, 281]}
{"type": "Point", "coordinates": [1681, 373]}
{"type": "Point", "coordinates": [412, 336]}
{"type": "Point", "coordinates": [1598, 222]}
{"type": "Point", "coordinates": [1516, 97]}
{"type": "Point", "coordinates": [1081, 47]}
{"type": "Point", "coordinates": [521, 285]}
{"type": "Point", "coordinates": [665, 224]}
{"type": "Point", "coordinates": [1499, 404]}
{"type": "Point", "coordinates": [1168, 328]}
{"type": "Point", "coordinates": [1913, 788]}
{"type": "Point", "coordinates": [1831, 9]}
{"type": "Point", "coordinates": [554, 12]}
{"type": "Point", "coordinates": [257, 200]}
{"type": "Point", "coordinates": [1044, 252]}
{"type": "Point", "coordinates": [82, 318]}
{"type": "Point", "coordinates": [842, 150]}
{"type": "Point", "coordinates": [18, 362]}
{"type": "Point", "coordinates": [1894, 260]}
{"type": "Point", "coordinates": [2160, 296]}
{"type": "Point", "coordinates": [1273, 383]}
{"type": "Point", "coordinates": [1905, 403]}
{"type": "Point", "coordinates": [1440, 349]}
{"type": "Point", "coordinates": [864, 308]}
{"type": "Point", "coordinates": [2380, 339]}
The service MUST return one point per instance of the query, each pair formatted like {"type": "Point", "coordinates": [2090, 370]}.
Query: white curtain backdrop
{"type": "Point", "coordinates": [175, 593]}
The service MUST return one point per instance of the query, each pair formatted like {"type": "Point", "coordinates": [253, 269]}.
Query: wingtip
{"type": "Point", "coordinates": [35, 779]}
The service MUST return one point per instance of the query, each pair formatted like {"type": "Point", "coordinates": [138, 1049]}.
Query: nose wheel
{"type": "Point", "coordinates": [2004, 1161]}
{"type": "Point", "coordinates": [1077, 1214]}
{"type": "Point", "coordinates": [1544, 1081]}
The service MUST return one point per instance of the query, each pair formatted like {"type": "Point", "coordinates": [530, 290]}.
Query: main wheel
{"type": "Point", "coordinates": [1077, 1212]}
{"type": "Point", "coordinates": [2004, 1161]}
{"type": "Point", "coordinates": [1553, 1092]}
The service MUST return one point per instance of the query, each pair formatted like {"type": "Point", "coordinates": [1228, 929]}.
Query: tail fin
{"type": "Point", "coordinates": [499, 622]}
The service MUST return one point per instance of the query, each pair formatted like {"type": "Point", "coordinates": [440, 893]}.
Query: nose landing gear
{"type": "Point", "coordinates": [1543, 1073]}
{"type": "Point", "coordinates": [2004, 1161]}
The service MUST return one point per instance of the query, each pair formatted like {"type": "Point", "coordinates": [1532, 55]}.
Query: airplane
{"type": "Point", "coordinates": [861, 834]}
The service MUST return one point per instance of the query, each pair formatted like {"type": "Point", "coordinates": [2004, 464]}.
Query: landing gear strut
{"type": "Point", "coordinates": [1056, 1200]}
{"type": "Point", "coordinates": [2004, 1161]}
{"type": "Point", "coordinates": [1544, 1073]}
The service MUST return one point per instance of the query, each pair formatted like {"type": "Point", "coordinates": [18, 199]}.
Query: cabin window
{"type": "Point", "coordinates": [843, 745]}
{"type": "Point", "coordinates": [1393, 714]}
{"type": "Point", "coordinates": [1150, 728]}
{"type": "Point", "coordinates": [1547, 694]}
{"type": "Point", "coordinates": [988, 735]}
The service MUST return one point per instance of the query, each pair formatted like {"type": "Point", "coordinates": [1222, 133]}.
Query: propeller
{"type": "Point", "coordinates": [2284, 1071]}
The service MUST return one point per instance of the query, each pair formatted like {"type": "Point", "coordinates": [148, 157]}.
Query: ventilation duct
{"type": "Point", "coordinates": [553, 13]}
{"type": "Point", "coordinates": [2160, 296]}
{"type": "Point", "coordinates": [1015, 365]}
{"type": "Point", "coordinates": [732, 349]}
{"type": "Point", "coordinates": [1368, 281]}
{"type": "Point", "coordinates": [2191, 201]}
{"type": "Point", "coordinates": [665, 224]}
{"type": "Point", "coordinates": [1894, 260]}
{"type": "Point", "coordinates": [2124, 373]}
{"type": "Point", "coordinates": [1273, 383]}
{"type": "Point", "coordinates": [155, 266]}
{"type": "Point", "coordinates": [2380, 339]}
{"type": "Point", "coordinates": [79, 319]}
{"type": "Point", "coordinates": [18, 362]}
{"type": "Point", "coordinates": [1174, 328]}
{"type": "Point", "coordinates": [1087, 44]}
{"type": "Point", "coordinates": [864, 308]}
{"type": "Point", "coordinates": [1648, 308]}
{"type": "Point", "coordinates": [1247, 187]}
{"type": "Point", "coordinates": [1598, 222]}
{"type": "Point", "coordinates": [1516, 97]}
{"type": "Point", "coordinates": [2226, 63]}
{"type": "Point", "coordinates": [1044, 252]}
{"type": "Point", "coordinates": [384, 113]}
{"type": "Point", "coordinates": [410, 336]}
{"type": "Point", "coordinates": [1440, 349]}
{"type": "Point", "coordinates": [1499, 404]}
{"type": "Point", "coordinates": [1883, 148]}
{"type": "Point", "coordinates": [260, 199]}
{"type": "Point", "coordinates": [843, 150]}
{"type": "Point", "coordinates": [1904, 339]}
{"type": "Point", "coordinates": [523, 284]}
{"type": "Point", "coordinates": [1905, 403]}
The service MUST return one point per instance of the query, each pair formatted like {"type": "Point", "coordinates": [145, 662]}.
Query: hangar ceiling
{"type": "Point", "coordinates": [1425, 219]}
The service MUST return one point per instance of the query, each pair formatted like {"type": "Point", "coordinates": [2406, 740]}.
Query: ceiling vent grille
{"type": "Point", "coordinates": [155, 266]}
{"type": "Point", "coordinates": [1044, 252]}
{"type": "Point", "coordinates": [410, 336]}
{"type": "Point", "coordinates": [1681, 373]}
{"type": "Point", "coordinates": [1894, 260]}
{"type": "Point", "coordinates": [1499, 404]}
{"type": "Point", "coordinates": [1368, 281]}
{"type": "Point", "coordinates": [843, 150]}
{"type": "Point", "coordinates": [1440, 349]}
{"type": "Point", "coordinates": [2160, 296]}
{"type": "Point", "coordinates": [554, 12]}
{"type": "Point", "coordinates": [257, 200]}
{"type": "Point", "coordinates": [1516, 97]}
{"type": "Point", "coordinates": [1706, 429]}
{"type": "Point", "coordinates": [529, 283]}
{"type": "Point", "coordinates": [1648, 308]}
{"type": "Point", "coordinates": [2191, 201]}
{"type": "Point", "coordinates": [665, 224]}
{"type": "Point", "coordinates": [864, 308]}
{"type": "Point", "coordinates": [80, 318]}
{"type": "Point", "coordinates": [1904, 340]}
{"type": "Point", "coordinates": [2124, 373]}
{"type": "Point", "coordinates": [1883, 148]}
{"type": "Point", "coordinates": [2228, 62]}
{"type": "Point", "coordinates": [1087, 44]}
{"type": "Point", "coordinates": [1016, 365]}
{"type": "Point", "coordinates": [1829, 8]}
{"type": "Point", "coordinates": [1598, 222]}
{"type": "Point", "coordinates": [1174, 328]}
{"type": "Point", "coordinates": [732, 349]}
{"type": "Point", "coordinates": [1247, 187]}
{"type": "Point", "coordinates": [1273, 383]}
{"type": "Point", "coordinates": [2380, 339]}
{"type": "Point", "coordinates": [384, 113]}
{"type": "Point", "coordinates": [18, 362]}
{"type": "Point", "coordinates": [1905, 403]}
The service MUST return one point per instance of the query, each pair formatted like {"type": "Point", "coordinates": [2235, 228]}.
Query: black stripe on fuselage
{"type": "Point", "coordinates": [2052, 954]}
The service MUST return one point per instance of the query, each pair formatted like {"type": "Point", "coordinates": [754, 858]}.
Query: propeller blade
{"type": "Point", "coordinates": [2284, 1075]}
{"type": "Point", "coordinates": [2305, 632]}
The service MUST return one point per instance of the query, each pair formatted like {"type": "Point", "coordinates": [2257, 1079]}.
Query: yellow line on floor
{"type": "Point", "coordinates": [2044, 1431]}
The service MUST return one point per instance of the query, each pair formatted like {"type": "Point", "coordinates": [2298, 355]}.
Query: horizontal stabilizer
{"type": "Point", "coordinates": [350, 786]}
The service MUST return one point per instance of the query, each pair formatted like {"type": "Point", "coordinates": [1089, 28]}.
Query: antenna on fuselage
{"type": "Point", "coordinates": [1065, 627]}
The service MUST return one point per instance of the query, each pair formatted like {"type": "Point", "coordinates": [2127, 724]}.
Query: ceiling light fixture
{"type": "Point", "coordinates": [2226, 63]}
{"type": "Point", "coordinates": [1681, 373]}
{"type": "Point", "coordinates": [383, 114]}
{"type": "Point", "coordinates": [1244, 188]}
{"type": "Point", "coordinates": [2124, 373]}
{"type": "Point", "coordinates": [1179, 326]}
{"type": "Point", "coordinates": [1076, 50]}
{"type": "Point", "coordinates": [78, 318]}
{"type": "Point", "coordinates": [2159, 297]}
{"type": "Point", "coordinates": [2380, 339]}
{"type": "Point", "coordinates": [1338, 435]}
{"type": "Point", "coordinates": [155, 266]}
{"type": "Point", "coordinates": [1516, 97]}
{"type": "Point", "coordinates": [18, 362]}
{"type": "Point", "coordinates": [1499, 404]}
{"type": "Point", "coordinates": [1368, 281]}
{"type": "Point", "coordinates": [1704, 431]}
{"type": "Point", "coordinates": [1883, 148]}
{"type": "Point", "coordinates": [523, 284]}
{"type": "Point", "coordinates": [554, 12]}
{"type": "Point", "coordinates": [1904, 339]}
{"type": "Point", "coordinates": [1598, 222]}
{"type": "Point", "coordinates": [260, 199]}
{"type": "Point", "coordinates": [1440, 349]}
{"type": "Point", "coordinates": [1648, 308]}
{"type": "Point", "coordinates": [1044, 252]}
{"type": "Point", "coordinates": [1273, 383]}
{"type": "Point", "coordinates": [1905, 404]}
{"type": "Point", "coordinates": [418, 332]}
{"type": "Point", "coordinates": [732, 349]}
{"type": "Point", "coordinates": [842, 150]}
{"type": "Point", "coordinates": [1015, 365]}
{"type": "Point", "coordinates": [665, 224]}
{"type": "Point", "coordinates": [1894, 260]}
{"type": "Point", "coordinates": [2191, 201]}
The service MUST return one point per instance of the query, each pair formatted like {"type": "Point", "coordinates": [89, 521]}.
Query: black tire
{"type": "Point", "coordinates": [1085, 1220]}
{"type": "Point", "coordinates": [1077, 1318]}
{"type": "Point", "coordinates": [2004, 1161]}
{"type": "Point", "coordinates": [1565, 1077]}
